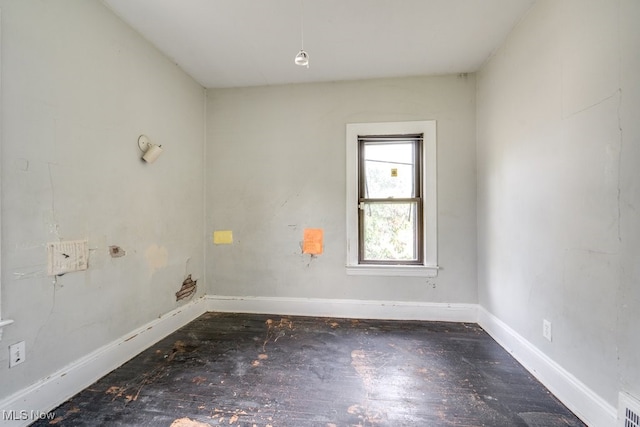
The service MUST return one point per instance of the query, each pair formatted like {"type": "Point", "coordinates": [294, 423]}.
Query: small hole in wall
{"type": "Point", "coordinates": [116, 252]}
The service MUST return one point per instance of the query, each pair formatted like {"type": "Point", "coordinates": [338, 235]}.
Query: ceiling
{"type": "Point", "coordinates": [231, 43]}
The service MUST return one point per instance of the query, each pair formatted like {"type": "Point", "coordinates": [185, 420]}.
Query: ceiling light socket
{"type": "Point", "coordinates": [302, 59]}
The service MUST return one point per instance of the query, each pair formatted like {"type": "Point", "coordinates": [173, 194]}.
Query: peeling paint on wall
{"type": "Point", "coordinates": [34, 274]}
{"type": "Point", "coordinates": [188, 288]}
{"type": "Point", "coordinates": [157, 257]}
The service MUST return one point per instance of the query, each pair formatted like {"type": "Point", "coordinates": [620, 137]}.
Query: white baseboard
{"type": "Point", "coordinates": [587, 405]}
{"type": "Point", "coordinates": [345, 308]}
{"type": "Point", "coordinates": [48, 393]}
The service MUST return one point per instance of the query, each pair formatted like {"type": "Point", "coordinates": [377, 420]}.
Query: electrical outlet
{"type": "Point", "coordinates": [17, 354]}
{"type": "Point", "coordinates": [546, 329]}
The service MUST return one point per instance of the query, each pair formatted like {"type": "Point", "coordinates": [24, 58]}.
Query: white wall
{"type": "Point", "coordinates": [558, 187]}
{"type": "Point", "coordinates": [78, 87]}
{"type": "Point", "coordinates": [276, 165]}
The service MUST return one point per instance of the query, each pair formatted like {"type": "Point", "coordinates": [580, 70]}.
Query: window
{"type": "Point", "coordinates": [391, 199]}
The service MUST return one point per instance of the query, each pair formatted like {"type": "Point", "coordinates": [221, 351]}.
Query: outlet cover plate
{"type": "Point", "coordinates": [17, 354]}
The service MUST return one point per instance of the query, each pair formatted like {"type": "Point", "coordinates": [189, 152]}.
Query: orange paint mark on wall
{"type": "Point", "coordinates": [312, 243]}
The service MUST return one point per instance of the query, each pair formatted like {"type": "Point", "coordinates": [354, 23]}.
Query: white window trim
{"type": "Point", "coordinates": [429, 268]}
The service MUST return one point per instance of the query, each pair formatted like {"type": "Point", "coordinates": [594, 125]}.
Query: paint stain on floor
{"type": "Point", "coordinates": [188, 422]}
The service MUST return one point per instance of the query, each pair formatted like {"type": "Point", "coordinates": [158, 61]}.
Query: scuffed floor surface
{"type": "Point", "coordinates": [259, 370]}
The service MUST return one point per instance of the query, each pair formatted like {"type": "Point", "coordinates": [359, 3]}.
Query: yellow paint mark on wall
{"type": "Point", "coordinates": [223, 237]}
{"type": "Point", "coordinates": [312, 242]}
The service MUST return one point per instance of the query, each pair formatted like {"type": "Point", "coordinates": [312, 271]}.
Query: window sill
{"type": "Point", "coordinates": [393, 270]}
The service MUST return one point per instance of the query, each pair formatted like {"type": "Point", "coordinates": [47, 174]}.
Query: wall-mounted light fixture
{"type": "Point", "coordinates": [151, 151]}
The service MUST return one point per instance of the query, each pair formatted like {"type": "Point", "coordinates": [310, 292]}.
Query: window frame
{"type": "Point", "coordinates": [417, 143]}
{"type": "Point", "coordinates": [429, 265]}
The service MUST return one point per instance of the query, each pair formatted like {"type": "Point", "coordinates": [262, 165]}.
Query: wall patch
{"type": "Point", "coordinates": [157, 257]}
{"type": "Point", "coordinates": [312, 241]}
{"type": "Point", "coordinates": [67, 256]}
{"type": "Point", "coordinates": [223, 237]}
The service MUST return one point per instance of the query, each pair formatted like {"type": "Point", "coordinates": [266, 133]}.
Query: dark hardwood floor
{"type": "Point", "coordinates": [261, 370]}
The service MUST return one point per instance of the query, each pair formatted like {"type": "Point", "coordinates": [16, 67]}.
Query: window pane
{"type": "Point", "coordinates": [389, 170]}
{"type": "Point", "coordinates": [390, 231]}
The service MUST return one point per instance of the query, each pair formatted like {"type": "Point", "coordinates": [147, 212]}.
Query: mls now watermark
{"type": "Point", "coordinates": [27, 415]}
